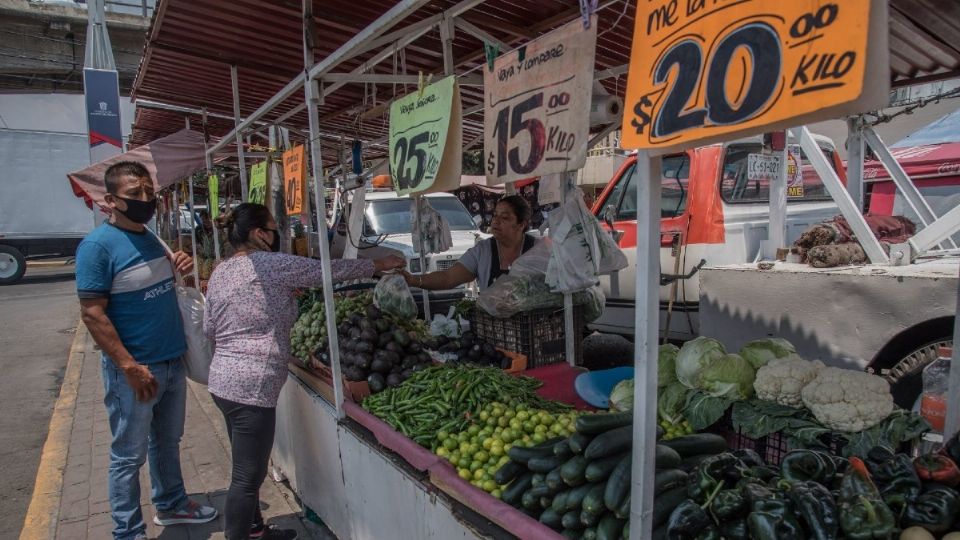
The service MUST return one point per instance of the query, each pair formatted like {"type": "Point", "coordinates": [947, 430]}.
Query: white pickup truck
{"type": "Point", "coordinates": [386, 231]}
{"type": "Point", "coordinates": [712, 213]}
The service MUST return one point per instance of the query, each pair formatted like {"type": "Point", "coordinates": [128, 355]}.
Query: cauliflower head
{"type": "Point", "coordinates": [782, 379]}
{"type": "Point", "coordinates": [848, 400]}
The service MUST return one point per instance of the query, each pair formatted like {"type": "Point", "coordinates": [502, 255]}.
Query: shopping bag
{"type": "Point", "coordinates": [393, 296]}
{"type": "Point", "coordinates": [191, 302]}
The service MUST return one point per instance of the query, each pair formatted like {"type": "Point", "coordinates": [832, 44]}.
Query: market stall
{"type": "Point", "coordinates": [382, 441]}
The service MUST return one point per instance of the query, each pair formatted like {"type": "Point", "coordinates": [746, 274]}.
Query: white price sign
{"type": "Point", "coordinates": [537, 105]}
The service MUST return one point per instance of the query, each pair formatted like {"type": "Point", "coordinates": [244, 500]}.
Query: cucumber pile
{"type": "Point", "coordinates": [580, 485]}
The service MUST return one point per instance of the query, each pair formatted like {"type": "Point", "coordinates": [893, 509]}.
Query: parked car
{"type": "Point", "coordinates": [387, 231]}
{"type": "Point", "coordinates": [711, 214]}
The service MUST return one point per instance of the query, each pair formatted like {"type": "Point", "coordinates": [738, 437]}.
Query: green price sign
{"type": "Point", "coordinates": [425, 139]}
{"type": "Point", "coordinates": [213, 186]}
{"type": "Point", "coordinates": [258, 183]}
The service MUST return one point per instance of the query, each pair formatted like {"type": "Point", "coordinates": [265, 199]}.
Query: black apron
{"type": "Point", "coordinates": [495, 270]}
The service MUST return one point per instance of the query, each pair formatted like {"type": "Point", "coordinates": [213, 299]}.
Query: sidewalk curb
{"type": "Point", "coordinates": [44, 511]}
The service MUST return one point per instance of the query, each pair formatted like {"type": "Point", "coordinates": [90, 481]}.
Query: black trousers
{"type": "Point", "coordinates": [251, 431]}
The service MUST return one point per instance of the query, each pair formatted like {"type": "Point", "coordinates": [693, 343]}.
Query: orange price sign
{"type": "Point", "coordinates": [294, 180]}
{"type": "Point", "coordinates": [708, 70]}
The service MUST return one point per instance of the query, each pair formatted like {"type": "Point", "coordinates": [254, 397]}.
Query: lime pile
{"type": "Point", "coordinates": [482, 448]}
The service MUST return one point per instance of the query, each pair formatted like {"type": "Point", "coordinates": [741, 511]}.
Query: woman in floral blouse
{"type": "Point", "coordinates": [251, 307]}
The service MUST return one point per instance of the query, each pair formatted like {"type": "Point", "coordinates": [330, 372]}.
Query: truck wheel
{"type": "Point", "coordinates": [906, 376]}
{"type": "Point", "coordinates": [12, 265]}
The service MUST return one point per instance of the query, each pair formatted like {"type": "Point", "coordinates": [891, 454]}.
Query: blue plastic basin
{"type": "Point", "coordinates": [594, 387]}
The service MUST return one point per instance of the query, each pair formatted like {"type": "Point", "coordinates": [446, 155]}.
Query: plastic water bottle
{"type": "Point", "coordinates": [936, 382]}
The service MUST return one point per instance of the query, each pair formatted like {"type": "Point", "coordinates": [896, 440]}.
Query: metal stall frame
{"type": "Point", "coordinates": [373, 36]}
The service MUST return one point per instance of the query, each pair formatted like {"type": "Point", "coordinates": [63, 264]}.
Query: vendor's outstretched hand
{"type": "Point", "coordinates": [389, 263]}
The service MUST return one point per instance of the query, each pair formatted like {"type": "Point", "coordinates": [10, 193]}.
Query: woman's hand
{"type": "Point", "coordinates": [389, 263]}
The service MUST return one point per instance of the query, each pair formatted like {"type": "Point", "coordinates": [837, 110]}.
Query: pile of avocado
{"type": "Point", "coordinates": [471, 349]}
{"type": "Point", "coordinates": [374, 349]}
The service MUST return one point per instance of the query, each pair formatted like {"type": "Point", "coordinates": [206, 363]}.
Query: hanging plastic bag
{"type": "Point", "coordinates": [582, 249]}
{"type": "Point", "coordinates": [535, 261]}
{"type": "Point", "coordinates": [191, 302]}
{"type": "Point", "coordinates": [432, 227]}
{"type": "Point", "coordinates": [393, 296]}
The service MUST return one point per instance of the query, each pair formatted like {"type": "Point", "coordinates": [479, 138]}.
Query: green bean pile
{"type": "Point", "coordinates": [447, 398]}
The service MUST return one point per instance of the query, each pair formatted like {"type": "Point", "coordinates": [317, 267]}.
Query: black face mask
{"type": "Point", "coordinates": [138, 211]}
{"type": "Point", "coordinates": [275, 243]}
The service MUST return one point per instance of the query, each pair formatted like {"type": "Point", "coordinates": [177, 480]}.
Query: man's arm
{"type": "Point", "coordinates": [93, 311]}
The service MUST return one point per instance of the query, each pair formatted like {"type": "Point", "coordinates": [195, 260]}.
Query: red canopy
{"type": "Point", "coordinates": [169, 160]}
{"type": "Point", "coordinates": [925, 161]}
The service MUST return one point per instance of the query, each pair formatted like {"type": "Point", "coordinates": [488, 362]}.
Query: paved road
{"type": "Point", "coordinates": [38, 316]}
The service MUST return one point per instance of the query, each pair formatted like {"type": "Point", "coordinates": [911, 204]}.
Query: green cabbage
{"type": "Point", "coordinates": [667, 365]}
{"type": "Point", "coordinates": [694, 357]}
{"type": "Point", "coordinates": [621, 397]}
{"type": "Point", "coordinates": [760, 351]}
{"type": "Point", "coordinates": [729, 376]}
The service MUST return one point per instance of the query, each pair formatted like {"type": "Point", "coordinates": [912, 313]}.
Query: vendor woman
{"type": "Point", "coordinates": [490, 258]}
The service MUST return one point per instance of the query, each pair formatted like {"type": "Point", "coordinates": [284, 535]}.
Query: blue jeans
{"type": "Point", "coordinates": [144, 431]}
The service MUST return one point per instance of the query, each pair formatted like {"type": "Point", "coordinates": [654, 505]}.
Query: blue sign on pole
{"type": "Point", "coordinates": [102, 92]}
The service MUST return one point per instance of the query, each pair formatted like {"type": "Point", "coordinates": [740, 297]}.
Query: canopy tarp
{"type": "Point", "coordinates": [924, 161]}
{"type": "Point", "coordinates": [169, 159]}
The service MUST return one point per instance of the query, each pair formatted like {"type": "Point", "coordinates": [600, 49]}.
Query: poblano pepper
{"type": "Point", "coordinates": [934, 509]}
{"type": "Point", "coordinates": [689, 521]}
{"type": "Point", "coordinates": [729, 503]}
{"type": "Point", "coordinates": [711, 472]}
{"type": "Point", "coordinates": [802, 465]}
{"type": "Point", "coordinates": [750, 458]}
{"type": "Point", "coordinates": [895, 477]}
{"type": "Point", "coordinates": [773, 519]}
{"type": "Point", "coordinates": [863, 514]}
{"type": "Point", "coordinates": [815, 506]}
{"type": "Point", "coordinates": [735, 530]}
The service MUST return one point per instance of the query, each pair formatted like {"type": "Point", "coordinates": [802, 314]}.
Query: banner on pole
{"type": "Point", "coordinates": [294, 180]}
{"type": "Point", "coordinates": [102, 98]}
{"type": "Point", "coordinates": [258, 183]}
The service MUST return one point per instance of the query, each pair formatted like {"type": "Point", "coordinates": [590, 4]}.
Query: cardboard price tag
{"type": "Point", "coordinates": [294, 180]}
{"type": "Point", "coordinates": [703, 71]}
{"type": "Point", "coordinates": [425, 139]}
{"type": "Point", "coordinates": [258, 183]}
{"type": "Point", "coordinates": [537, 105]}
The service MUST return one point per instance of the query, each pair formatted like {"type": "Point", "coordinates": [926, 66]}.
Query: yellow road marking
{"type": "Point", "coordinates": [43, 513]}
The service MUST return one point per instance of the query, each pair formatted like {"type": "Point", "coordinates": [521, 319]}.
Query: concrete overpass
{"type": "Point", "coordinates": [42, 43]}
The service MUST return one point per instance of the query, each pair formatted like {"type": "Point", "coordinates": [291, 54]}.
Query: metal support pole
{"type": "Point", "coordinates": [447, 32]}
{"type": "Point", "coordinates": [186, 122]}
{"type": "Point", "coordinates": [871, 246]}
{"type": "Point", "coordinates": [566, 190]}
{"type": "Point", "coordinates": [423, 256]}
{"type": "Point", "coordinates": [906, 187]}
{"type": "Point", "coordinates": [216, 232]}
{"type": "Point", "coordinates": [176, 216]}
{"type": "Point", "coordinates": [209, 162]}
{"type": "Point", "coordinates": [646, 325]}
{"type": "Point", "coordinates": [952, 422]}
{"type": "Point", "coordinates": [235, 83]}
{"type": "Point", "coordinates": [777, 233]}
{"type": "Point", "coordinates": [193, 236]}
{"type": "Point", "coordinates": [311, 91]}
{"type": "Point", "coordinates": [855, 156]}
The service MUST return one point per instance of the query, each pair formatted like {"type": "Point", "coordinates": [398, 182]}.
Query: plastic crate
{"type": "Point", "coordinates": [772, 448]}
{"type": "Point", "coordinates": [539, 335]}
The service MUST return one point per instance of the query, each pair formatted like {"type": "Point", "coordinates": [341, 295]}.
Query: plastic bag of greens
{"type": "Point", "coordinates": [393, 296]}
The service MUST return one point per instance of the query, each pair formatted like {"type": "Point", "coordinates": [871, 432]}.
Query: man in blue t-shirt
{"type": "Point", "coordinates": [129, 303]}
